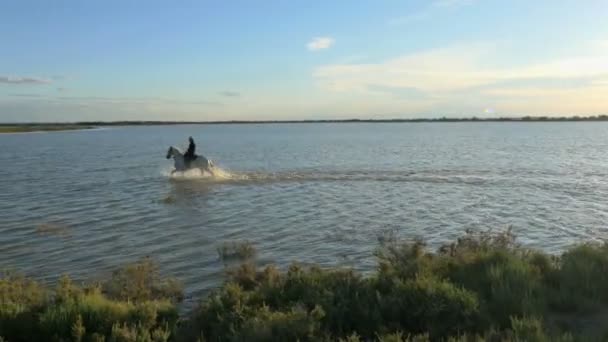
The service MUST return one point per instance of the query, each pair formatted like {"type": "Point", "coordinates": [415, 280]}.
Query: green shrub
{"type": "Point", "coordinates": [483, 287]}
{"type": "Point", "coordinates": [508, 284]}
{"type": "Point", "coordinates": [429, 305]}
{"type": "Point", "coordinates": [28, 312]}
{"type": "Point", "coordinates": [94, 313]}
{"type": "Point", "coordinates": [346, 298]}
{"type": "Point", "coordinates": [141, 281]}
{"type": "Point", "coordinates": [21, 300]}
{"type": "Point", "coordinates": [528, 329]}
{"type": "Point", "coordinates": [295, 325]}
{"type": "Point", "coordinates": [582, 279]}
{"type": "Point", "coordinates": [138, 333]}
{"type": "Point", "coordinates": [400, 337]}
{"type": "Point", "coordinates": [219, 316]}
{"type": "Point", "coordinates": [403, 260]}
{"type": "Point", "coordinates": [19, 290]}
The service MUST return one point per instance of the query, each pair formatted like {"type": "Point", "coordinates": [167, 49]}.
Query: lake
{"type": "Point", "coordinates": [85, 202]}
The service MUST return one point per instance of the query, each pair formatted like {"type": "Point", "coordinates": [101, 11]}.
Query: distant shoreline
{"type": "Point", "coordinates": [31, 128]}
{"type": "Point", "coordinates": [62, 126]}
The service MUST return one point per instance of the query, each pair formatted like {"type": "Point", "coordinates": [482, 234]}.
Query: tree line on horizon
{"type": "Point", "coordinates": [440, 119]}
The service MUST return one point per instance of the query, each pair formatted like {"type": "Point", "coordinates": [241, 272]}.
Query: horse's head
{"type": "Point", "coordinates": [170, 152]}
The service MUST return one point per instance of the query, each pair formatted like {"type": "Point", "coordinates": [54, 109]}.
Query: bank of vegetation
{"type": "Point", "coordinates": [482, 287]}
{"type": "Point", "coordinates": [50, 126]}
{"type": "Point", "coordinates": [24, 128]}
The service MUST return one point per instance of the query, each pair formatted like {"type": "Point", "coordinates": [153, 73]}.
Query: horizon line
{"type": "Point", "coordinates": [527, 118]}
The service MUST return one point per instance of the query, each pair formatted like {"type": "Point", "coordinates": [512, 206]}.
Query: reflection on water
{"type": "Point", "coordinates": [85, 202]}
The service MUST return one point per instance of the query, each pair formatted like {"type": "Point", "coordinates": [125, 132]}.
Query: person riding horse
{"type": "Point", "coordinates": [189, 156]}
{"type": "Point", "coordinates": [189, 160]}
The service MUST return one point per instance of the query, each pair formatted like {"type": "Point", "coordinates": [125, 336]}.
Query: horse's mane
{"type": "Point", "coordinates": [177, 149]}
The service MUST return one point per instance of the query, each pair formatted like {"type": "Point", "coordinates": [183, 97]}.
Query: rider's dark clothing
{"type": "Point", "coordinates": [190, 151]}
{"type": "Point", "coordinates": [189, 155]}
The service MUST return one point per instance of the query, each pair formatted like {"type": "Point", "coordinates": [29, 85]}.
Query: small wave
{"type": "Point", "coordinates": [221, 175]}
{"type": "Point", "coordinates": [217, 174]}
{"type": "Point", "coordinates": [360, 176]}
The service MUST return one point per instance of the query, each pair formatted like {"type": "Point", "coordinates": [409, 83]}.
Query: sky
{"type": "Point", "coordinates": [284, 60]}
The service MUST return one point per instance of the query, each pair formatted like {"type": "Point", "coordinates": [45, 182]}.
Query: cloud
{"type": "Point", "coordinates": [137, 100]}
{"type": "Point", "coordinates": [463, 75]}
{"type": "Point", "coordinates": [320, 43]}
{"type": "Point", "coordinates": [409, 18]}
{"type": "Point", "coordinates": [454, 68]}
{"type": "Point", "coordinates": [230, 93]}
{"type": "Point", "coordinates": [398, 92]}
{"type": "Point", "coordinates": [24, 95]}
{"type": "Point", "coordinates": [439, 69]}
{"type": "Point", "coordinates": [603, 44]}
{"type": "Point", "coordinates": [428, 11]}
{"type": "Point", "coordinates": [23, 80]}
{"type": "Point", "coordinates": [45, 110]}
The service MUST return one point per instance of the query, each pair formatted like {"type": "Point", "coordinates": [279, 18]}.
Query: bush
{"type": "Point", "coordinates": [509, 285]}
{"type": "Point", "coordinates": [483, 287]}
{"type": "Point", "coordinates": [296, 324]}
{"type": "Point", "coordinates": [94, 313]}
{"type": "Point", "coordinates": [141, 281]}
{"type": "Point", "coordinates": [19, 291]}
{"type": "Point", "coordinates": [428, 305]}
{"type": "Point", "coordinates": [28, 312]}
{"type": "Point", "coordinates": [21, 300]}
{"type": "Point", "coordinates": [582, 280]}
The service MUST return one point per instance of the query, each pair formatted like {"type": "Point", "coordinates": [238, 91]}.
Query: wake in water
{"type": "Point", "coordinates": [439, 176]}
{"type": "Point", "coordinates": [218, 175]}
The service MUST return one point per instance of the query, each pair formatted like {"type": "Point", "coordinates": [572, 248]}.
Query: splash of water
{"type": "Point", "coordinates": [217, 174]}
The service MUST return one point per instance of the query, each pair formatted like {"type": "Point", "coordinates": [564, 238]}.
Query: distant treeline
{"type": "Point", "coordinates": [396, 120]}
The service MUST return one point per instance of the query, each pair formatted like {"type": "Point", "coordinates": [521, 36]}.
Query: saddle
{"type": "Point", "coordinates": [188, 160]}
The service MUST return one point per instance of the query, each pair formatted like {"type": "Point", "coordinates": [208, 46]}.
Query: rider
{"type": "Point", "coordinates": [189, 155]}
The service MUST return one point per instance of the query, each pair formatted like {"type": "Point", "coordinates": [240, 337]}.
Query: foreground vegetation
{"type": "Point", "coordinates": [482, 287]}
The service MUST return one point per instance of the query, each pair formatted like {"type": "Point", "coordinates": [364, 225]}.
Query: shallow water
{"type": "Point", "coordinates": [84, 202]}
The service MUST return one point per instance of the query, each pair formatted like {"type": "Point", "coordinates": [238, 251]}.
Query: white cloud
{"type": "Point", "coordinates": [427, 12]}
{"type": "Point", "coordinates": [461, 75]}
{"type": "Point", "coordinates": [24, 95]}
{"type": "Point", "coordinates": [23, 80]}
{"type": "Point", "coordinates": [409, 18]}
{"type": "Point", "coordinates": [599, 45]}
{"type": "Point", "coordinates": [435, 70]}
{"type": "Point", "coordinates": [454, 68]}
{"type": "Point", "coordinates": [230, 93]}
{"type": "Point", "coordinates": [320, 43]}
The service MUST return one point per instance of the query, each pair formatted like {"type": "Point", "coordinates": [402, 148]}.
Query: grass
{"type": "Point", "coordinates": [482, 287]}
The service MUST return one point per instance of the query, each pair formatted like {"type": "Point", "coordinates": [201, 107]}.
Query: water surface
{"type": "Point", "coordinates": [84, 202]}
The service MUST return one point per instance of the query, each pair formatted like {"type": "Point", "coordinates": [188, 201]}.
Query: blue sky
{"type": "Point", "coordinates": [229, 60]}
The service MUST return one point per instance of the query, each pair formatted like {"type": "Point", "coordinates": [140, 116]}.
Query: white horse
{"type": "Point", "coordinates": [200, 162]}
